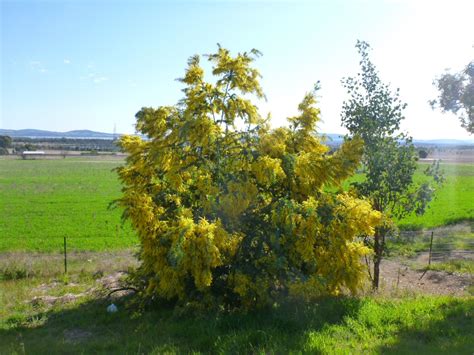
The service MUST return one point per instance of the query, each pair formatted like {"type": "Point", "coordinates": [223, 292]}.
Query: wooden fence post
{"type": "Point", "coordinates": [65, 256]}
{"type": "Point", "coordinates": [429, 256]}
{"type": "Point", "coordinates": [431, 248]}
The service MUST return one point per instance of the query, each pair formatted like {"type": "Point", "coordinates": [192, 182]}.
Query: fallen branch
{"type": "Point", "coordinates": [122, 289]}
{"type": "Point", "coordinates": [423, 274]}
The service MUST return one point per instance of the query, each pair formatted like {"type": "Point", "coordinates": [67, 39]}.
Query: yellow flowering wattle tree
{"type": "Point", "coordinates": [229, 211]}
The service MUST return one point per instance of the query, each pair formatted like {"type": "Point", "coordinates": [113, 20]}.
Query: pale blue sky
{"type": "Point", "coordinates": [93, 64]}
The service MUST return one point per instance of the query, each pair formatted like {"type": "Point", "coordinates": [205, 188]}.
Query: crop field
{"type": "Point", "coordinates": [453, 202]}
{"type": "Point", "coordinates": [42, 201]}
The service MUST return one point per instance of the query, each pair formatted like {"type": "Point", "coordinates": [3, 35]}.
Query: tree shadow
{"type": "Point", "coordinates": [88, 328]}
{"type": "Point", "coordinates": [452, 333]}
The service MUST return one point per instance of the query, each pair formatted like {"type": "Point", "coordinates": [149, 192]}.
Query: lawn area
{"type": "Point", "coordinates": [42, 201]}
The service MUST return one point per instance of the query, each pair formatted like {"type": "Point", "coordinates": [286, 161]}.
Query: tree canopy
{"type": "Point", "coordinates": [5, 142]}
{"type": "Point", "coordinates": [456, 95]}
{"type": "Point", "coordinates": [373, 112]}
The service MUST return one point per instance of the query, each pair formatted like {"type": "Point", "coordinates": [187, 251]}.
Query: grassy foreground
{"type": "Point", "coordinates": [403, 323]}
{"type": "Point", "coordinates": [424, 325]}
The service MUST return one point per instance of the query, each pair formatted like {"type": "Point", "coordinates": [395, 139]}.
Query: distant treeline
{"type": "Point", "coordinates": [20, 144]}
{"type": "Point", "coordinates": [64, 144]}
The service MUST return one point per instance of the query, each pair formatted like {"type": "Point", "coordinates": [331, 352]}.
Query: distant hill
{"type": "Point", "coordinates": [336, 139]}
{"type": "Point", "coordinates": [37, 133]}
{"type": "Point", "coordinates": [333, 139]}
{"type": "Point", "coordinates": [457, 142]}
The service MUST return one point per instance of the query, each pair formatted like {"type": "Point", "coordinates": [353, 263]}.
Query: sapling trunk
{"type": "Point", "coordinates": [377, 259]}
{"type": "Point", "coordinates": [379, 246]}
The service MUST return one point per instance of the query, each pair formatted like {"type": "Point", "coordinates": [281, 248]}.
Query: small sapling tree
{"type": "Point", "coordinates": [229, 211]}
{"type": "Point", "coordinates": [373, 112]}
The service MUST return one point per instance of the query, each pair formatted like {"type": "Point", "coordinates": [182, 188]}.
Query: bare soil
{"type": "Point", "coordinates": [402, 276]}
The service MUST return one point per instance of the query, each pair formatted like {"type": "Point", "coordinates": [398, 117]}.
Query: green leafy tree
{"type": "Point", "coordinates": [373, 112]}
{"type": "Point", "coordinates": [229, 211]}
{"type": "Point", "coordinates": [456, 95]}
{"type": "Point", "coordinates": [423, 154]}
{"type": "Point", "coordinates": [5, 143]}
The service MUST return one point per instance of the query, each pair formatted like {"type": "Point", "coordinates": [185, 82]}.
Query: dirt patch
{"type": "Point", "coordinates": [113, 282]}
{"type": "Point", "coordinates": [52, 300]}
{"type": "Point", "coordinates": [399, 276]}
{"type": "Point", "coordinates": [101, 289]}
{"type": "Point", "coordinates": [44, 288]}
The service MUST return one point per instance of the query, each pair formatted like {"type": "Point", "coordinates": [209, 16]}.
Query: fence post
{"type": "Point", "coordinates": [65, 256]}
{"type": "Point", "coordinates": [429, 256]}
{"type": "Point", "coordinates": [431, 248]}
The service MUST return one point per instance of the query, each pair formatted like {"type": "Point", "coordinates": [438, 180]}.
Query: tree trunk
{"type": "Point", "coordinates": [379, 241]}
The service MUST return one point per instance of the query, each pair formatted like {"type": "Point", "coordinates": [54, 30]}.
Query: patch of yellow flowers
{"type": "Point", "coordinates": [240, 215]}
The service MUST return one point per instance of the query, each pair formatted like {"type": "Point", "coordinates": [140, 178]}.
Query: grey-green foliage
{"type": "Point", "coordinates": [374, 112]}
{"type": "Point", "coordinates": [456, 95]}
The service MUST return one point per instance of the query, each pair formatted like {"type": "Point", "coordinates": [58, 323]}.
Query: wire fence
{"type": "Point", "coordinates": [447, 249]}
{"type": "Point", "coordinates": [427, 247]}
{"type": "Point", "coordinates": [37, 255]}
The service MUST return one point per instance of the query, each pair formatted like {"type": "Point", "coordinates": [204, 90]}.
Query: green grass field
{"type": "Point", "coordinates": [454, 200]}
{"type": "Point", "coordinates": [44, 200]}
{"type": "Point", "coordinates": [41, 201]}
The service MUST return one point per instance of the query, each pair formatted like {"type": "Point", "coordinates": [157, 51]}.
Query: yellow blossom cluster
{"type": "Point", "coordinates": [231, 210]}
